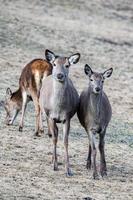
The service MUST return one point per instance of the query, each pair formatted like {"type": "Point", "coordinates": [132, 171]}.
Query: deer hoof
{"type": "Point", "coordinates": [49, 134]}
{"type": "Point", "coordinates": [95, 176]}
{"type": "Point", "coordinates": [88, 165]}
{"type": "Point", "coordinates": [103, 173]}
{"type": "Point", "coordinates": [38, 134]}
{"type": "Point", "coordinates": [69, 174]}
{"type": "Point", "coordinates": [20, 128]}
{"type": "Point", "coordinates": [56, 167]}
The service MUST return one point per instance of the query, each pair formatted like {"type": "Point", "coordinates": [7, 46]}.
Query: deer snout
{"type": "Point", "coordinates": [8, 121]}
{"type": "Point", "coordinates": [60, 76]}
{"type": "Point", "coordinates": [97, 89]}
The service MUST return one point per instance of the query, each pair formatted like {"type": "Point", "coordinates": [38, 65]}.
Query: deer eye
{"type": "Point", "coordinates": [91, 79]}
{"type": "Point", "coordinates": [54, 64]}
{"type": "Point", "coordinates": [67, 66]}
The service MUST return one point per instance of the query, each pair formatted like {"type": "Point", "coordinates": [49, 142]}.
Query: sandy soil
{"type": "Point", "coordinates": [102, 31]}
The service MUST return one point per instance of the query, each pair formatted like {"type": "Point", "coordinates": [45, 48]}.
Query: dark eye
{"type": "Point", "coordinates": [102, 81]}
{"type": "Point", "coordinates": [67, 66]}
{"type": "Point", "coordinates": [54, 64]}
{"type": "Point", "coordinates": [91, 79]}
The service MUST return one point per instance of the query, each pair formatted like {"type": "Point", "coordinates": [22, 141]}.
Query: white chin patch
{"type": "Point", "coordinates": [96, 92]}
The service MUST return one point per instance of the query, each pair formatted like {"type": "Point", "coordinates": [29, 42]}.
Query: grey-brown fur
{"type": "Point", "coordinates": [94, 114]}
{"type": "Point", "coordinates": [59, 100]}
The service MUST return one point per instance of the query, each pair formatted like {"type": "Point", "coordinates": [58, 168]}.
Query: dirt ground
{"type": "Point", "coordinates": [102, 31]}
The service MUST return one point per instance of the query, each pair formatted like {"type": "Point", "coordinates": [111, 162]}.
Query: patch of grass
{"type": "Point", "coordinates": [117, 132]}
{"type": "Point", "coordinates": [120, 132]}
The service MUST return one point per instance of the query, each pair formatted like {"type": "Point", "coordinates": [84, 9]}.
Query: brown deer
{"type": "Point", "coordinates": [94, 114]}
{"type": "Point", "coordinates": [29, 89]}
{"type": "Point", "coordinates": [59, 100]}
{"type": "Point", "coordinates": [13, 104]}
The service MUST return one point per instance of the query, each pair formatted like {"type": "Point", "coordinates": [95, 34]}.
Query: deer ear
{"type": "Point", "coordinates": [8, 93]}
{"type": "Point", "coordinates": [88, 71]}
{"type": "Point", "coordinates": [107, 73]}
{"type": "Point", "coordinates": [73, 59]}
{"type": "Point", "coordinates": [50, 56]}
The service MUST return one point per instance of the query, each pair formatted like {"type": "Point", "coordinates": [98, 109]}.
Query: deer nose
{"type": "Point", "coordinates": [97, 89]}
{"type": "Point", "coordinates": [60, 76]}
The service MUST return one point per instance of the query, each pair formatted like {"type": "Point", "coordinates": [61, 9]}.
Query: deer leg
{"type": "Point", "coordinates": [66, 128]}
{"type": "Point", "coordinates": [103, 169]}
{"type": "Point", "coordinates": [41, 123]}
{"type": "Point", "coordinates": [88, 165]}
{"type": "Point", "coordinates": [49, 131]}
{"type": "Point", "coordinates": [94, 152]}
{"type": "Point", "coordinates": [13, 117]}
{"type": "Point", "coordinates": [54, 131]}
{"type": "Point", "coordinates": [37, 112]}
{"type": "Point", "coordinates": [24, 97]}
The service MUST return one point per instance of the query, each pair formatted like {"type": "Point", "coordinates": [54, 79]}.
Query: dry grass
{"type": "Point", "coordinates": [102, 32]}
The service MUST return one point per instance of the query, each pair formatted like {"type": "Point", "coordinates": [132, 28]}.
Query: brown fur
{"type": "Point", "coordinates": [30, 83]}
{"type": "Point", "coordinates": [17, 97]}
{"type": "Point", "coordinates": [37, 65]}
{"type": "Point", "coordinates": [27, 83]}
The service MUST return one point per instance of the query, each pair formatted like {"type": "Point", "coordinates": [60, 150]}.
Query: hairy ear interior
{"type": "Point", "coordinates": [73, 59]}
{"type": "Point", "coordinates": [88, 71]}
{"type": "Point", "coordinates": [8, 92]}
{"type": "Point", "coordinates": [108, 73]}
{"type": "Point", "coordinates": [50, 56]}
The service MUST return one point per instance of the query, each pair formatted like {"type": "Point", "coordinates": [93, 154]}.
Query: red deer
{"type": "Point", "coordinates": [13, 104]}
{"type": "Point", "coordinates": [94, 114]}
{"type": "Point", "coordinates": [59, 100]}
{"type": "Point", "coordinates": [29, 89]}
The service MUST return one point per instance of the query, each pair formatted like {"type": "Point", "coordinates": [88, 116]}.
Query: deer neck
{"type": "Point", "coordinates": [59, 96]}
{"type": "Point", "coordinates": [95, 105]}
